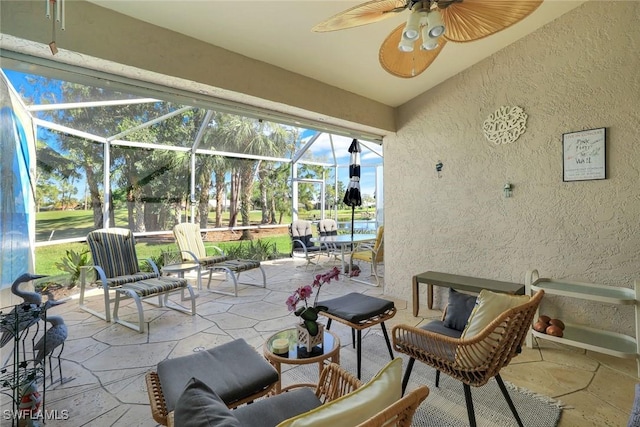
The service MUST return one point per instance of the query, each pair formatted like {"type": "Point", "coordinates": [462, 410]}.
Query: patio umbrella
{"type": "Point", "coordinates": [352, 196]}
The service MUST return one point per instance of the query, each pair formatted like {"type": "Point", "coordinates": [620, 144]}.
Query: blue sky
{"type": "Point", "coordinates": [322, 148]}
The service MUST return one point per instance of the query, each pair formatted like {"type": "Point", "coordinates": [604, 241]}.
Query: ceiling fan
{"type": "Point", "coordinates": [414, 45]}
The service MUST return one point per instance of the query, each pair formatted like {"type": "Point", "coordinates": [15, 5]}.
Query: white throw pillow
{"type": "Point", "coordinates": [384, 389]}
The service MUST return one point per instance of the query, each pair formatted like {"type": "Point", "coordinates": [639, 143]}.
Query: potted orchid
{"type": "Point", "coordinates": [309, 312]}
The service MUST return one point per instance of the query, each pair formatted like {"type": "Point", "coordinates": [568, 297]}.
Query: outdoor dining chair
{"type": "Point", "coordinates": [301, 245]}
{"type": "Point", "coordinates": [116, 262]}
{"type": "Point", "coordinates": [329, 227]}
{"type": "Point", "coordinates": [371, 253]}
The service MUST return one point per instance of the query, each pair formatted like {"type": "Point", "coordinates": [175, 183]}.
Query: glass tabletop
{"type": "Point", "coordinates": [295, 352]}
{"type": "Point", "coordinates": [345, 238]}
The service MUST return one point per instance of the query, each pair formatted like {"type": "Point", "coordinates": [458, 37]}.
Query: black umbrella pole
{"type": "Point", "coordinates": [353, 214]}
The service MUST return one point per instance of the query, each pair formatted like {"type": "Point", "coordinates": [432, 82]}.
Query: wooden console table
{"type": "Point", "coordinates": [463, 283]}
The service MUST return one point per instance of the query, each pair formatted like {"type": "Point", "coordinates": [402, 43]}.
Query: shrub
{"type": "Point", "coordinates": [72, 263]}
{"type": "Point", "coordinates": [158, 259]}
{"type": "Point", "coordinates": [259, 250]}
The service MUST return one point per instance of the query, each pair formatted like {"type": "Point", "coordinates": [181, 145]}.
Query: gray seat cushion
{"type": "Point", "coordinates": [233, 370]}
{"type": "Point", "coordinates": [271, 411]}
{"type": "Point", "coordinates": [438, 327]}
{"type": "Point", "coordinates": [355, 307]}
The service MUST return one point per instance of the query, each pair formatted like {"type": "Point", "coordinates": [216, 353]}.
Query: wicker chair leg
{"type": "Point", "coordinates": [407, 374]}
{"type": "Point", "coordinates": [470, 412]}
{"type": "Point", "coordinates": [505, 393]}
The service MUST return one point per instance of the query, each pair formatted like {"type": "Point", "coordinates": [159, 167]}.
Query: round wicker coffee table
{"type": "Point", "coordinates": [330, 349]}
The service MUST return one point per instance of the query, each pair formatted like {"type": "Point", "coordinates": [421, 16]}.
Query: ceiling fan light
{"type": "Point", "coordinates": [410, 34]}
{"type": "Point", "coordinates": [412, 29]}
{"type": "Point", "coordinates": [435, 24]}
{"type": "Point", "coordinates": [428, 42]}
{"type": "Point", "coordinates": [405, 45]}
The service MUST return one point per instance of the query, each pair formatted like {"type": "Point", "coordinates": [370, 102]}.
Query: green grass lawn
{"type": "Point", "coordinates": [48, 256]}
{"type": "Point", "coordinates": [54, 225]}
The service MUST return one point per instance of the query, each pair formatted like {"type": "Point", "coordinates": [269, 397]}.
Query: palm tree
{"type": "Point", "coordinates": [220, 168]}
{"type": "Point", "coordinates": [280, 194]}
{"type": "Point", "coordinates": [214, 139]}
{"type": "Point", "coordinates": [255, 137]}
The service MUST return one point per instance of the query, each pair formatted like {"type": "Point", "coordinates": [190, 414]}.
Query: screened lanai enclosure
{"type": "Point", "coordinates": [79, 155]}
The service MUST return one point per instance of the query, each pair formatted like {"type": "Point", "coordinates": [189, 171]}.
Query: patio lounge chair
{"type": "Point", "coordinates": [192, 249]}
{"type": "Point", "coordinates": [116, 262]}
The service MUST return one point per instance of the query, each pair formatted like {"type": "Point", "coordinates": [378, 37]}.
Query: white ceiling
{"type": "Point", "coordinates": [279, 33]}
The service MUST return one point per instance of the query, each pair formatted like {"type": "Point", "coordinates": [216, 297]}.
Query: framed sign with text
{"type": "Point", "coordinates": [583, 155]}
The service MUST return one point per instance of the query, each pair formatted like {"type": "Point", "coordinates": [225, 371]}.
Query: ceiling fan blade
{"type": "Point", "coordinates": [475, 19]}
{"type": "Point", "coordinates": [365, 13]}
{"type": "Point", "coordinates": [406, 64]}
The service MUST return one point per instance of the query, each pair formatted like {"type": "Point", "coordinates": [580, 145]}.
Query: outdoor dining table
{"type": "Point", "coordinates": [344, 242]}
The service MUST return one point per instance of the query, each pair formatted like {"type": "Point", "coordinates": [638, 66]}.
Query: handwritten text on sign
{"type": "Point", "coordinates": [584, 155]}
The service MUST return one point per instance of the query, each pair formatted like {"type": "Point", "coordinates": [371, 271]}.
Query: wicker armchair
{"type": "Point", "coordinates": [472, 361]}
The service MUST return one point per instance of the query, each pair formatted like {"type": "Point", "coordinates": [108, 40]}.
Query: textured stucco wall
{"type": "Point", "coordinates": [579, 72]}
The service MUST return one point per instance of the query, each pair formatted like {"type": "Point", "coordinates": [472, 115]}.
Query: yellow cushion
{"type": "Point", "coordinates": [490, 305]}
{"type": "Point", "coordinates": [351, 409]}
{"type": "Point", "coordinates": [363, 256]}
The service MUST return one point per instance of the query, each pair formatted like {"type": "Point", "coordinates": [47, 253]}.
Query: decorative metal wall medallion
{"type": "Point", "coordinates": [505, 125]}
